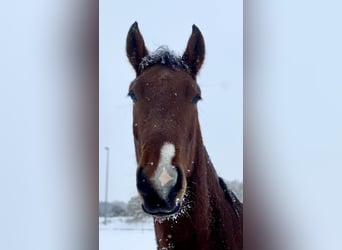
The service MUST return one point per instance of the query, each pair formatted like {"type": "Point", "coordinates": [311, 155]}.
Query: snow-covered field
{"type": "Point", "coordinates": [119, 234]}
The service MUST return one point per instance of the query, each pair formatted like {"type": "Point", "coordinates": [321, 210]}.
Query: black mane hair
{"type": "Point", "coordinates": [231, 197]}
{"type": "Point", "coordinates": [163, 56]}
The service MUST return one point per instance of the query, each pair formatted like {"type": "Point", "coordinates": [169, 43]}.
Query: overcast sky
{"type": "Point", "coordinates": [169, 23]}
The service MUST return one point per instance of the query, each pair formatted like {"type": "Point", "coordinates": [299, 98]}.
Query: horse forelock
{"type": "Point", "coordinates": [163, 56]}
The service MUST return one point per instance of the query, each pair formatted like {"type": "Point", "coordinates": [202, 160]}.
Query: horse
{"type": "Point", "coordinates": [192, 207]}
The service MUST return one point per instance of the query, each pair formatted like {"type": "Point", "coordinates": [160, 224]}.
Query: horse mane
{"type": "Point", "coordinates": [163, 56]}
{"type": "Point", "coordinates": [231, 198]}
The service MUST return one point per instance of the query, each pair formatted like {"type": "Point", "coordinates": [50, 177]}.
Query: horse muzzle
{"type": "Point", "coordinates": [162, 193]}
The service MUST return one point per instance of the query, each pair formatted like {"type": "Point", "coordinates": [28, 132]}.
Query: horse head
{"type": "Point", "coordinates": [165, 119]}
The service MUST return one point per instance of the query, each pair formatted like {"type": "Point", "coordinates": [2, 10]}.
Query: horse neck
{"type": "Point", "coordinates": [203, 184]}
{"type": "Point", "coordinates": [203, 173]}
{"type": "Point", "coordinates": [193, 228]}
{"type": "Point", "coordinates": [212, 217]}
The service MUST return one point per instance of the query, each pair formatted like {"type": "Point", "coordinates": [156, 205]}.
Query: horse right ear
{"type": "Point", "coordinates": [135, 47]}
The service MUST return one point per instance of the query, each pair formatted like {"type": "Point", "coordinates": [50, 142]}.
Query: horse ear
{"type": "Point", "coordinates": [135, 47]}
{"type": "Point", "coordinates": [195, 51]}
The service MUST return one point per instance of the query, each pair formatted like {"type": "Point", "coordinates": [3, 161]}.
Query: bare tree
{"type": "Point", "coordinates": [134, 209]}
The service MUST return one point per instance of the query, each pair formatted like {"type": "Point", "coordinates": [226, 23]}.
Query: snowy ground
{"type": "Point", "coordinates": [119, 234]}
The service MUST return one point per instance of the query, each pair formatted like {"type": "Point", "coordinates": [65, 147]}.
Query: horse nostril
{"type": "Point", "coordinates": [143, 184]}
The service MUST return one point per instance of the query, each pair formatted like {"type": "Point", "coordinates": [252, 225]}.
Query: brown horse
{"type": "Point", "coordinates": [178, 185]}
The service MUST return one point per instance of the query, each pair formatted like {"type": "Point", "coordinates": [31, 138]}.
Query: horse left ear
{"type": "Point", "coordinates": [135, 47]}
{"type": "Point", "coordinates": [195, 51]}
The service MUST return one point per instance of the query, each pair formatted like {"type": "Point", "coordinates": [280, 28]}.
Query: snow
{"type": "Point", "coordinates": [163, 56]}
{"type": "Point", "coordinates": [119, 234]}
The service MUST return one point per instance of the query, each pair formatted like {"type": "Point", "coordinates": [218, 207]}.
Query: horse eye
{"type": "Point", "coordinates": [133, 96]}
{"type": "Point", "coordinates": [196, 99]}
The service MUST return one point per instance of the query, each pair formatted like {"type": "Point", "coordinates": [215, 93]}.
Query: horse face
{"type": "Point", "coordinates": [165, 123]}
{"type": "Point", "coordinates": [165, 120]}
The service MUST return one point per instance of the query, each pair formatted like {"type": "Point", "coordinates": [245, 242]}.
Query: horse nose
{"type": "Point", "coordinates": [159, 194]}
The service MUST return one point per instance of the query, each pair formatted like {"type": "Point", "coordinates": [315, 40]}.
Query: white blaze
{"type": "Point", "coordinates": [165, 176]}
